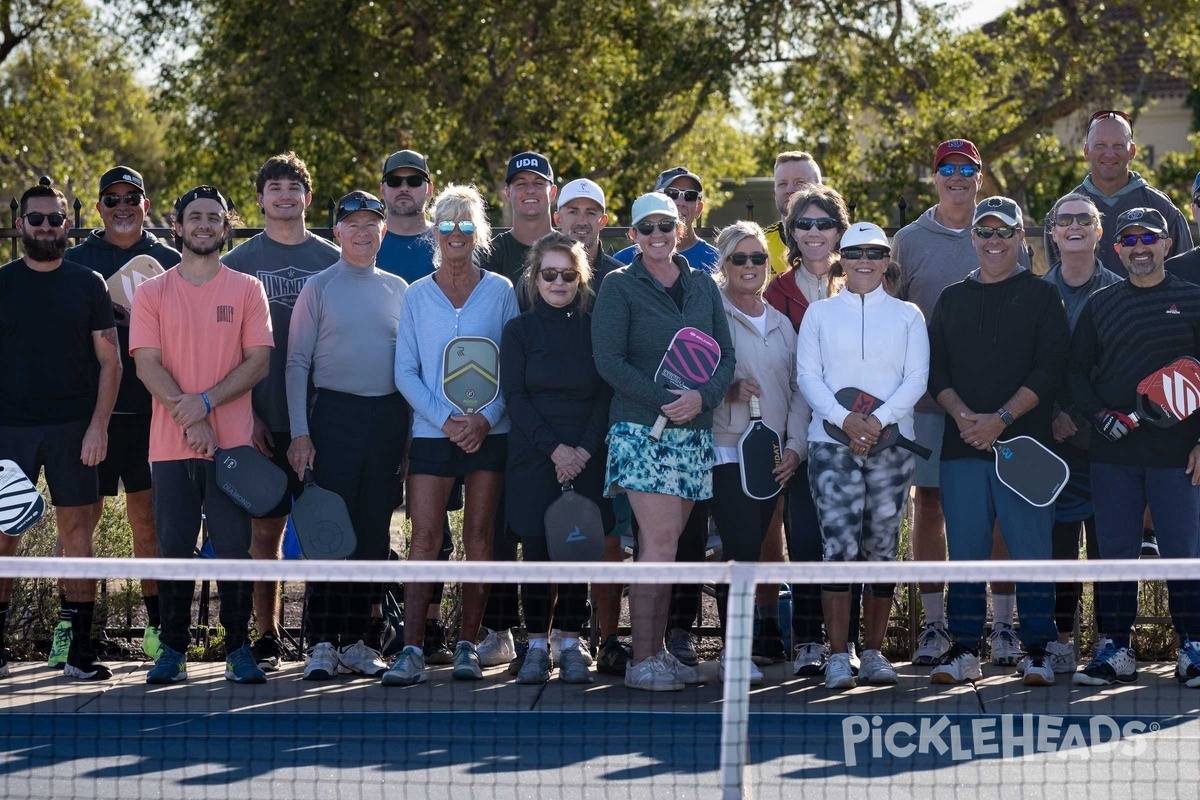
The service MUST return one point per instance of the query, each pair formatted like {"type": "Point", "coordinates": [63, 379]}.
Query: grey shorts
{"type": "Point", "coordinates": [928, 427]}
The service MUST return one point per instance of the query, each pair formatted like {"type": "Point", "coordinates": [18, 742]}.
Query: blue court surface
{"type": "Point", "coordinates": [352, 738]}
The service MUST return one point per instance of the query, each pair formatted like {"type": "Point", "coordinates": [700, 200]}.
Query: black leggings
{"type": "Point", "coordinates": [1065, 547]}
{"type": "Point", "coordinates": [742, 522]}
{"type": "Point", "coordinates": [685, 597]}
{"type": "Point", "coordinates": [572, 609]}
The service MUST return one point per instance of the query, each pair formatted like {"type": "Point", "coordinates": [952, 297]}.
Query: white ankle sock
{"type": "Point", "coordinates": [934, 604]}
{"type": "Point", "coordinates": [1003, 608]}
{"type": "Point", "coordinates": [539, 644]}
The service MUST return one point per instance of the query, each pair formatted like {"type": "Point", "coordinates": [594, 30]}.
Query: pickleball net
{"type": "Point", "coordinates": [351, 737]}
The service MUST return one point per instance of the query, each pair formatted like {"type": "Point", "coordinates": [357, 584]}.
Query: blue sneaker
{"type": "Point", "coordinates": [171, 667]}
{"type": "Point", "coordinates": [1187, 668]}
{"type": "Point", "coordinates": [241, 667]}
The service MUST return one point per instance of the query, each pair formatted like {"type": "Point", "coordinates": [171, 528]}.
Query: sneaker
{"type": "Point", "coordinates": [241, 667]}
{"type": "Point", "coordinates": [1004, 645]}
{"type": "Point", "coordinates": [4, 668]}
{"type": "Point", "coordinates": [690, 676]}
{"type": "Point", "coordinates": [60, 645]}
{"type": "Point", "coordinates": [877, 670]}
{"type": "Point", "coordinates": [767, 647]}
{"type": "Point", "coordinates": [1036, 668]}
{"type": "Point", "coordinates": [514, 666]}
{"type": "Point", "coordinates": [409, 669]}
{"type": "Point", "coordinates": [267, 652]}
{"type": "Point", "coordinates": [82, 665]}
{"type": "Point", "coordinates": [496, 648]}
{"type": "Point", "coordinates": [556, 638]}
{"type": "Point", "coordinates": [680, 645]}
{"type": "Point", "coordinates": [1149, 543]}
{"type": "Point", "coordinates": [321, 663]}
{"type": "Point", "coordinates": [756, 676]}
{"type": "Point", "coordinates": [573, 665]}
{"type": "Point", "coordinates": [1110, 665]}
{"type": "Point", "coordinates": [151, 644]}
{"type": "Point", "coordinates": [1187, 668]}
{"type": "Point", "coordinates": [614, 656]}
{"type": "Point", "coordinates": [585, 653]}
{"type": "Point", "coordinates": [653, 674]}
{"type": "Point", "coordinates": [361, 659]}
{"type": "Point", "coordinates": [933, 643]}
{"type": "Point", "coordinates": [810, 659]}
{"type": "Point", "coordinates": [436, 649]}
{"type": "Point", "coordinates": [536, 669]}
{"type": "Point", "coordinates": [855, 663]}
{"type": "Point", "coordinates": [1060, 656]}
{"type": "Point", "coordinates": [959, 665]}
{"type": "Point", "coordinates": [467, 665]}
{"type": "Point", "coordinates": [171, 667]}
{"type": "Point", "coordinates": [837, 672]}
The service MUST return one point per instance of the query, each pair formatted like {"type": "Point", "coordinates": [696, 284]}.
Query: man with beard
{"type": "Point", "coordinates": [284, 256]}
{"type": "Point", "coordinates": [62, 370]}
{"type": "Point", "coordinates": [201, 338]}
{"type": "Point", "coordinates": [406, 188]}
{"type": "Point", "coordinates": [123, 206]}
{"type": "Point", "coordinates": [581, 215]}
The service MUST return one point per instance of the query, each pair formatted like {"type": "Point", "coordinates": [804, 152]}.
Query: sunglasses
{"type": "Point", "coordinates": [663, 225]}
{"type": "Point", "coordinates": [465, 227]}
{"type": "Point", "coordinates": [870, 253]}
{"type": "Point", "coordinates": [114, 200]}
{"type": "Point", "coordinates": [740, 259]}
{"type": "Point", "coordinates": [36, 218]}
{"type": "Point", "coordinates": [396, 181]}
{"type": "Point", "coordinates": [821, 223]}
{"type": "Point", "coordinates": [549, 275]}
{"type": "Point", "coordinates": [1004, 232]}
{"type": "Point", "coordinates": [1065, 220]}
{"type": "Point", "coordinates": [1145, 238]}
{"type": "Point", "coordinates": [688, 195]}
{"type": "Point", "coordinates": [1110, 113]}
{"type": "Point", "coordinates": [360, 204]}
{"type": "Point", "coordinates": [966, 170]}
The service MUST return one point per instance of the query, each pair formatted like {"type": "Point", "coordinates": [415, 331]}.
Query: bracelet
{"type": "Point", "coordinates": [1005, 417]}
{"type": "Point", "coordinates": [207, 403]}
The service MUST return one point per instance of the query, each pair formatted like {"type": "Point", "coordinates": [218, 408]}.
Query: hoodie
{"type": "Point", "coordinates": [784, 295]}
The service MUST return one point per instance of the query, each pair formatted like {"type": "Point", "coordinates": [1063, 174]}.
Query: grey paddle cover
{"type": "Point", "coordinates": [250, 479]}
{"type": "Point", "coordinates": [574, 528]}
{"type": "Point", "coordinates": [322, 523]}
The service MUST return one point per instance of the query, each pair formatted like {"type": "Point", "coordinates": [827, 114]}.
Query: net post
{"type": "Point", "coordinates": [735, 705]}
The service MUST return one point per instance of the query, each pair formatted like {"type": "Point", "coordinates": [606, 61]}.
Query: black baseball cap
{"type": "Point", "coordinates": [121, 174]}
{"type": "Point", "coordinates": [406, 158]}
{"type": "Point", "coordinates": [359, 200]}
{"type": "Point", "coordinates": [536, 163]}
{"type": "Point", "coordinates": [200, 192]}
{"type": "Point", "coordinates": [1148, 218]}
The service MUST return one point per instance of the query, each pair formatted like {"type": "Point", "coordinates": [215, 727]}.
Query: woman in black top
{"type": "Point", "coordinates": [559, 410]}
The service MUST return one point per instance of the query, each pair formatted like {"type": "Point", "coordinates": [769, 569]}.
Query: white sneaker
{"type": "Point", "coordinates": [932, 644]}
{"type": "Point", "coordinates": [408, 670]}
{"type": "Point", "coordinates": [877, 670]}
{"type": "Point", "coordinates": [1036, 668]}
{"type": "Point", "coordinates": [361, 659]}
{"type": "Point", "coordinates": [686, 674]}
{"type": "Point", "coordinates": [556, 638]}
{"type": "Point", "coordinates": [810, 659]}
{"type": "Point", "coordinates": [1004, 645]}
{"type": "Point", "coordinates": [1060, 656]}
{"type": "Point", "coordinates": [855, 662]}
{"type": "Point", "coordinates": [1110, 665]}
{"type": "Point", "coordinates": [756, 676]}
{"type": "Point", "coordinates": [959, 665]}
{"type": "Point", "coordinates": [321, 663]}
{"type": "Point", "coordinates": [496, 649]}
{"type": "Point", "coordinates": [838, 674]}
{"type": "Point", "coordinates": [652, 675]}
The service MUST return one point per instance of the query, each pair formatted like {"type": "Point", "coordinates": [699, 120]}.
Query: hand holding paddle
{"type": "Point", "coordinates": [201, 438]}
{"type": "Point", "coordinates": [689, 363]}
{"type": "Point", "coordinates": [863, 404]}
{"type": "Point", "coordinates": [301, 453]}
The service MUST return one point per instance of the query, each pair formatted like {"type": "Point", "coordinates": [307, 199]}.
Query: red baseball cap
{"type": "Point", "coordinates": [963, 147]}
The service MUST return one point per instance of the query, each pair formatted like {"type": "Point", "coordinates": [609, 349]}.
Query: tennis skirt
{"type": "Point", "coordinates": [679, 464]}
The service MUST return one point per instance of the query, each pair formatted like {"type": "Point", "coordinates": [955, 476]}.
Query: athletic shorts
{"type": "Point", "coordinates": [283, 440]}
{"type": "Point", "coordinates": [443, 458]}
{"type": "Point", "coordinates": [128, 461]}
{"type": "Point", "coordinates": [928, 427]}
{"type": "Point", "coordinates": [56, 448]}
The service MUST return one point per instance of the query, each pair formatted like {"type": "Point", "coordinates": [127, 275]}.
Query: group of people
{"type": "Point", "coordinates": [328, 359]}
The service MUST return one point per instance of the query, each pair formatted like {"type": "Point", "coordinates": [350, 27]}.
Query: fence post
{"type": "Point", "coordinates": [331, 210]}
{"type": "Point", "coordinates": [13, 207]}
{"type": "Point", "coordinates": [735, 700]}
{"type": "Point", "coordinates": [750, 208]}
{"type": "Point", "coordinates": [903, 206]}
{"type": "Point", "coordinates": [851, 207]}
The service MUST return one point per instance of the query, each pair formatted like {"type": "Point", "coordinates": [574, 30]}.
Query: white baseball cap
{"type": "Point", "coordinates": [581, 187]}
{"type": "Point", "coordinates": [864, 234]}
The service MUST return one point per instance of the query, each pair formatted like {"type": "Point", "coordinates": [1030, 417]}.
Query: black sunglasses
{"type": "Point", "coordinates": [114, 200]}
{"type": "Point", "coordinates": [1146, 238]}
{"type": "Point", "coordinates": [396, 181]}
{"type": "Point", "coordinates": [688, 195]}
{"type": "Point", "coordinates": [36, 218]}
{"type": "Point", "coordinates": [359, 204]}
{"type": "Point", "coordinates": [1003, 231]}
{"type": "Point", "coordinates": [740, 259]}
{"type": "Point", "coordinates": [1110, 113]}
{"type": "Point", "coordinates": [1086, 219]}
{"type": "Point", "coordinates": [821, 223]}
{"type": "Point", "coordinates": [664, 225]}
{"type": "Point", "coordinates": [549, 275]}
{"type": "Point", "coordinates": [869, 253]}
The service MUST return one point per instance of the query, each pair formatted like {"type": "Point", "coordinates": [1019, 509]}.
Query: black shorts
{"type": "Point", "coordinates": [128, 459]}
{"type": "Point", "coordinates": [56, 448]}
{"type": "Point", "coordinates": [443, 458]}
{"type": "Point", "coordinates": [283, 440]}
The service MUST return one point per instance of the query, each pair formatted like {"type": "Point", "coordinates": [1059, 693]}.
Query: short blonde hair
{"type": "Point", "coordinates": [728, 240]}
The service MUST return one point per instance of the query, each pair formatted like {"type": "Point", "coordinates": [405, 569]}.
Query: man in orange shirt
{"type": "Point", "coordinates": [201, 338]}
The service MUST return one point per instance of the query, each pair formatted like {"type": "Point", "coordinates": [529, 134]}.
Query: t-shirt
{"type": "Point", "coordinates": [201, 331]}
{"type": "Point", "coordinates": [1185, 265]}
{"type": "Point", "coordinates": [283, 270]}
{"type": "Point", "coordinates": [702, 256]}
{"type": "Point", "coordinates": [48, 358]}
{"type": "Point", "coordinates": [410, 257]}
{"type": "Point", "coordinates": [508, 257]}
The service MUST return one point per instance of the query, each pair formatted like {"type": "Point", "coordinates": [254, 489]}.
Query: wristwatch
{"type": "Point", "coordinates": [1005, 417]}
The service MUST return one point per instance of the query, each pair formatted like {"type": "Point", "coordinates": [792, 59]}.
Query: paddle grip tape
{"type": "Point", "coordinates": [207, 403]}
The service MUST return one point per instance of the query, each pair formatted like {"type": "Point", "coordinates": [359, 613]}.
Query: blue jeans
{"type": "Point", "coordinates": [973, 498]}
{"type": "Point", "coordinates": [1120, 494]}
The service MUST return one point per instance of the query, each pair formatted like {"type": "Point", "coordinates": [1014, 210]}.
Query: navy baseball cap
{"type": "Point", "coordinates": [358, 200]}
{"type": "Point", "coordinates": [1148, 218]}
{"type": "Point", "coordinates": [666, 177]}
{"type": "Point", "coordinates": [200, 192]}
{"type": "Point", "coordinates": [121, 174]}
{"type": "Point", "coordinates": [1196, 185]}
{"type": "Point", "coordinates": [536, 163]}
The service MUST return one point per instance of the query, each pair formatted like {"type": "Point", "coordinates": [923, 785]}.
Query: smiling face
{"type": "Point", "coordinates": [360, 235]}
{"type": "Point", "coordinates": [1076, 238]}
{"type": "Point", "coordinates": [957, 190]}
{"type": "Point", "coordinates": [815, 244]}
{"type": "Point", "coordinates": [1142, 259]}
{"type": "Point", "coordinates": [1109, 149]}
{"type": "Point", "coordinates": [582, 219]}
{"type": "Point", "coordinates": [656, 246]}
{"type": "Point", "coordinates": [790, 177]}
{"type": "Point", "coordinates": [997, 256]}
{"type": "Point", "coordinates": [864, 274]}
{"type": "Point", "coordinates": [123, 220]}
{"type": "Point", "coordinates": [689, 210]}
{"type": "Point", "coordinates": [530, 195]}
{"type": "Point", "coordinates": [284, 200]}
{"type": "Point", "coordinates": [204, 226]}
{"type": "Point", "coordinates": [748, 278]}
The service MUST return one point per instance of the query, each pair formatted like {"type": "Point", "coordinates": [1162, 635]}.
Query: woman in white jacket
{"type": "Point", "coordinates": [866, 339]}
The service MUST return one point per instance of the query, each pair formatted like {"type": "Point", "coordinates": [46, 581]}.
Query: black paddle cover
{"type": "Point", "coordinates": [860, 402]}
{"type": "Point", "coordinates": [250, 479]}
{"type": "Point", "coordinates": [322, 523]}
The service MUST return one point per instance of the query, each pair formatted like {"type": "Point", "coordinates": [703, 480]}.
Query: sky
{"type": "Point", "coordinates": [974, 13]}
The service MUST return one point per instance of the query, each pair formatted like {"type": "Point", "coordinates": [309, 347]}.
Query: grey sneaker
{"type": "Point", "coordinates": [756, 676]}
{"type": "Point", "coordinates": [654, 674]}
{"type": "Point", "coordinates": [466, 663]}
{"type": "Point", "coordinates": [361, 659]}
{"type": "Point", "coordinates": [536, 669]}
{"type": "Point", "coordinates": [573, 666]}
{"type": "Point", "coordinates": [680, 645]}
{"type": "Point", "coordinates": [810, 659]}
{"type": "Point", "coordinates": [408, 670]}
{"type": "Point", "coordinates": [321, 663]}
{"type": "Point", "coordinates": [687, 675]}
{"type": "Point", "coordinates": [496, 648]}
{"type": "Point", "coordinates": [876, 669]}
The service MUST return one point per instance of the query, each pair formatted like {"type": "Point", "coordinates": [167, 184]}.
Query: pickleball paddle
{"type": "Point", "coordinates": [21, 504]}
{"type": "Point", "coordinates": [1030, 469]}
{"type": "Point", "coordinates": [470, 373]}
{"type": "Point", "coordinates": [322, 522]}
{"type": "Point", "coordinates": [860, 402]}
{"type": "Point", "coordinates": [250, 479]}
{"type": "Point", "coordinates": [689, 363]}
{"type": "Point", "coordinates": [124, 282]}
{"type": "Point", "coordinates": [574, 527]}
{"type": "Point", "coordinates": [759, 453]}
{"type": "Point", "coordinates": [1169, 395]}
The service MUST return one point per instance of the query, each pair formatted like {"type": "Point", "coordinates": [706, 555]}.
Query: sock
{"type": "Point", "coordinates": [1003, 608]}
{"type": "Point", "coordinates": [152, 615]}
{"type": "Point", "coordinates": [934, 604]}
{"type": "Point", "coordinates": [540, 643]}
{"type": "Point", "coordinates": [81, 629]}
{"type": "Point", "coordinates": [65, 614]}
{"type": "Point", "coordinates": [569, 642]}
{"type": "Point", "coordinates": [3, 621]}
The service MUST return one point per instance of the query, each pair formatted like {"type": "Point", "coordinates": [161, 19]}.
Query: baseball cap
{"type": "Point", "coordinates": [121, 174]}
{"type": "Point", "coordinates": [1147, 218]}
{"type": "Point", "coordinates": [654, 203]}
{"type": "Point", "coordinates": [359, 200]}
{"type": "Point", "coordinates": [667, 176]}
{"type": "Point", "coordinates": [1007, 210]}
{"type": "Point", "coordinates": [1196, 185]}
{"type": "Point", "coordinates": [406, 158]}
{"type": "Point", "coordinates": [864, 234]}
{"type": "Point", "coordinates": [200, 192]}
{"type": "Point", "coordinates": [536, 163]}
{"type": "Point", "coordinates": [581, 187]}
{"type": "Point", "coordinates": [961, 146]}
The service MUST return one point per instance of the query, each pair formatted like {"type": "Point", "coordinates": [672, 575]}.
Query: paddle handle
{"type": "Point", "coordinates": [657, 430]}
{"type": "Point", "coordinates": [919, 450]}
{"type": "Point", "coordinates": [755, 408]}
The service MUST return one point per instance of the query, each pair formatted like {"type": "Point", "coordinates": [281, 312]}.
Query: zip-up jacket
{"type": "Point", "coordinates": [785, 296]}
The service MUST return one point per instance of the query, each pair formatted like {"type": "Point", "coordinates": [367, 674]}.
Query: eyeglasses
{"type": "Point", "coordinates": [1146, 238]}
{"type": "Point", "coordinates": [465, 227]}
{"type": "Point", "coordinates": [114, 200]}
{"type": "Point", "coordinates": [36, 218]}
{"type": "Point", "coordinates": [688, 195]}
{"type": "Point", "coordinates": [549, 275]}
{"type": "Point", "coordinates": [821, 223]}
{"type": "Point", "coordinates": [663, 225]}
{"type": "Point", "coordinates": [1196, 199]}
{"type": "Point", "coordinates": [1065, 220]}
{"type": "Point", "coordinates": [360, 204]}
{"type": "Point", "coordinates": [966, 170]}
{"type": "Point", "coordinates": [740, 259]}
{"type": "Point", "coordinates": [396, 181]}
{"type": "Point", "coordinates": [870, 253]}
{"type": "Point", "coordinates": [1003, 231]}
{"type": "Point", "coordinates": [1110, 113]}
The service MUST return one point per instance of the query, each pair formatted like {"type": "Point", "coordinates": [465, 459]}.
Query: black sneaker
{"type": "Point", "coordinates": [436, 649]}
{"type": "Point", "coordinates": [82, 665]}
{"type": "Point", "coordinates": [1149, 543]}
{"type": "Point", "coordinates": [267, 652]}
{"type": "Point", "coordinates": [613, 657]}
{"type": "Point", "coordinates": [767, 648]}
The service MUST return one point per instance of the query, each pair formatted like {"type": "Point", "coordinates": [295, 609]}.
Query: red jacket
{"type": "Point", "coordinates": [785, 296]}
